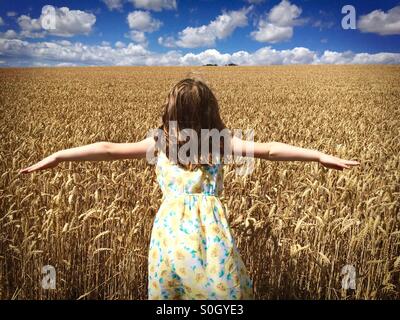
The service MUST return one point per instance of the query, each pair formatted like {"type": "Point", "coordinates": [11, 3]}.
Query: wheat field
{"type": "Point", "coordinates": [296, 224]}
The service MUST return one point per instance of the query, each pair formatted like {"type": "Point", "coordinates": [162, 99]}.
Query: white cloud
{"type": "Point", "coordinates": [30, 28]}
{"type": "Point", "coordinates": [381, 22]}
{"type": "Point", "coordinates": [156, 5]}
{"type": "Point", "coordinates": [66, 64]}
{"type": "Point", "coordinates": [143, 21]}
{"type": "Point", "coordinates": [1, 21]}
{"type": "Point", "coordinates": [20, 52]}
{"type": "Point", "coordinates": [113, 4]}
{"type": "Point", "coordinates": [70, 22]}
{"type": "Point", "coordinates": [67, 23]}
{"type": "Point", "coordinates": [269, 56]}
{"type": "Point", "coordinates": [206, 35]}
{"type": "Point", "coordinates": [278, 24]}
{"type": "Point", "coordinates": [333, 57]}
{"type": "Point", "coordinates": [137, 36]}
{"type": "Point", "coordinates": [284, 14]}
{"type": "Point", "coordinates": [9, 34]}
{"type": "Point", "coordinates": [168, 42]}
{"type": "Point", "coordinates": [26, 23]}
{"type": "Point", "coordinates": [120, 45]}
{"type": "Point", "coordinates": [208, 56]}
{"type": "Point", "coordinates": [11, 14]}
{"type": "Point", "coordinates": [227, 22]}
{"type": "Point", "coordinates": [268, 32]}
{"type": "Point", "coordinates": [196, 37]}
{"type": "Point", "coordinates": [377, 58]}
{"type": "Point", "coordinates": [105, 43]}
{"type": "Point", "coordinates": [67, 52]}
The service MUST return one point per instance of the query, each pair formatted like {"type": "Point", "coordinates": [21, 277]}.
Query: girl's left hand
{"type": "Point", "coordinates": [332, 162]}
{"type": "Point", "coordinates": [47, 163]}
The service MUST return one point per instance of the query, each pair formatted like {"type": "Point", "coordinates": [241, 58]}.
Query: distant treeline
{"type": "Point", "coordinates": [216, 65]}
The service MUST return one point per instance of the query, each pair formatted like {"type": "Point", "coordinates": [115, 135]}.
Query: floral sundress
{"type": "Point", "coordinates": [192, 253]}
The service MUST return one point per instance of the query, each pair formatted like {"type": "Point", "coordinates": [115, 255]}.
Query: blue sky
{"type": "Point", "coordinates": [174, 32]}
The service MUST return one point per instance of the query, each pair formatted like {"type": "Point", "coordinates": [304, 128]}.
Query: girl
{"type": "Point", "coordinates": [192, 254]}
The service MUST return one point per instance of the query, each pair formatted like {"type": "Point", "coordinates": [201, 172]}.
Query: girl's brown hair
{"type": "Point", "coordinates": [192, 104]}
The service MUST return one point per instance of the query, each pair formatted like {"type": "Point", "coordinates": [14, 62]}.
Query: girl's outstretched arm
{"type": "Point", "coordinates": [277, 151]}
{"type": "Point", "coordinates": [99, 151]}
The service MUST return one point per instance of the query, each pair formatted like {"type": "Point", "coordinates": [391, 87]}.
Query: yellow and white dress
{"type": "Point", "coordinates": [192, 253]}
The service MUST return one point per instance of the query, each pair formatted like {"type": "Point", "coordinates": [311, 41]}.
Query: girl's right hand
{"type": "Point", "coordinates": [332, 162]}
{"type": "Point", "coordinates": [47, 163]}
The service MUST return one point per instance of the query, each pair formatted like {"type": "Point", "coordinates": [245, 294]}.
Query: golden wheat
{"type": "Point", "coordinates": [296, 224]}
